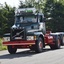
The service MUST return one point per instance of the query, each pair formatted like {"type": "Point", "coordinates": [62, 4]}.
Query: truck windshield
{"type": "Point", "coordinates": [25, 19]}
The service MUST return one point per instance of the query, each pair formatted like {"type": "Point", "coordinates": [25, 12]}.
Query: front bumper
{"type": "Point", "coordinates": [24, 42]}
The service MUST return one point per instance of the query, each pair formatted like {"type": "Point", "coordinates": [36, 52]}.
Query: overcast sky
{"type": "Point", "coordinates": [11, 2]}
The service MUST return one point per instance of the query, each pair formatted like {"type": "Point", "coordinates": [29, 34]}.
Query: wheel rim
{"type": "Point", "coordinates": [40, 45]}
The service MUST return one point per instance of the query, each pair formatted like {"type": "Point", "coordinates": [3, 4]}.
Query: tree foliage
{"type": "Point", "coordinates": [25, 5]}
{"type": "Point", "coordinates": [39, 5]}
{"type": "Point", "coordinates": [55, 10]}
{"type": "Point", "coordinates": [6, 18]}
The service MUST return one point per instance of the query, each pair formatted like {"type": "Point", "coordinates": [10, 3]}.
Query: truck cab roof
{"type": "Point", "coordinates": [27, 11]}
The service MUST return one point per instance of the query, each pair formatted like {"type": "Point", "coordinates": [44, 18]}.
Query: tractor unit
{"type": "Point", "coordinates": [29, 31]}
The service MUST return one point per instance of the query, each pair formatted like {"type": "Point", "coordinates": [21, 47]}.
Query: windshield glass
{"type": "Point", "coordinates": [24, 19]}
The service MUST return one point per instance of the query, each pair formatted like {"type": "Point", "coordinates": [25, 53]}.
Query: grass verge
{"type": "Point", "coordinates": [1, 45]}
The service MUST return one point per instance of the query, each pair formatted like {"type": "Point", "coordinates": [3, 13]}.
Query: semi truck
{"type": "Point", "coordinates": [29, 31]}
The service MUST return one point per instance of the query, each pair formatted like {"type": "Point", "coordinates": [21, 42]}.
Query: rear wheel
{"type": "Point", "coordinates": [12, 50]}
{"type": "Point", "coordinates": [39, 45]}
{"type": "Point", "coordinates": [62, 41]}
{"type": "Point", "coordinates": [57, 43]}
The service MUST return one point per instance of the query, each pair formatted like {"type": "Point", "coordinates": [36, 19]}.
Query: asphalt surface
{"type": "Point", "coordinates": [25, 56]}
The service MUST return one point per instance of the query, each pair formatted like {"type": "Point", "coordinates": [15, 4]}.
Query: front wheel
{"type": "Point", "coordinates": [11, 50]}
{"type": "Point", "coordinates": [39, 45]}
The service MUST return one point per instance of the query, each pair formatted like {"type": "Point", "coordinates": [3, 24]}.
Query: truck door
{"type": "Point", "coordinates": [42, 24]}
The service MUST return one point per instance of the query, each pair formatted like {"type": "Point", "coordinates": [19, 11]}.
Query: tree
{"type": "Point", "coordinates": [25, 5]}
{"type": "Point", "coordinates": [54, 10]}
{"type": "Point", "coordinates": [39, 5]}
{"type": "Point", "coordinates": [6, 18]}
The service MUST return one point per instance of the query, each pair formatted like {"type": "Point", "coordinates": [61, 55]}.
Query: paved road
{"type": "Point", "coordinates": [30, 57]}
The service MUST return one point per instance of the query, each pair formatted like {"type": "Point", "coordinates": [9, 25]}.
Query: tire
{"type": "Point", "coordinates": [57, 43]}
{"type": "Point", "coordinates": [11, 50]}
{"type": "Point", "coordinates": [62, 40]}
{"type": "Point", "coordinates": [39, 45]}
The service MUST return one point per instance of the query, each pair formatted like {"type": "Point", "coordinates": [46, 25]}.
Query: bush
{"type": "Point", "coordinates": [1, 46]}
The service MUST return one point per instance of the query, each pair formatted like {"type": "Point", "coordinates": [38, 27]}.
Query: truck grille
{"type": "Point", "coordinates": [17, 34]}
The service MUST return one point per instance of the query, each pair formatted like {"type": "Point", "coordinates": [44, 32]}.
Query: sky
{"type": "Point", "coordinates": [13, 3]}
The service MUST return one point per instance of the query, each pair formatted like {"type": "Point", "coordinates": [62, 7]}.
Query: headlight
{"type": "Point", "coordinates": [31, 37]}
{"type": "Point", "coordinates": [5, 39]}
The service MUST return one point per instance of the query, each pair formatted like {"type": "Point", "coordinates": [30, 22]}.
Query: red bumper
{"type": "Point", "coordinates": [30, 42]}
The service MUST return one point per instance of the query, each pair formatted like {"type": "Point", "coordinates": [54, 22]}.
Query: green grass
{"type": "Point", "coordinates": [1, 45]}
